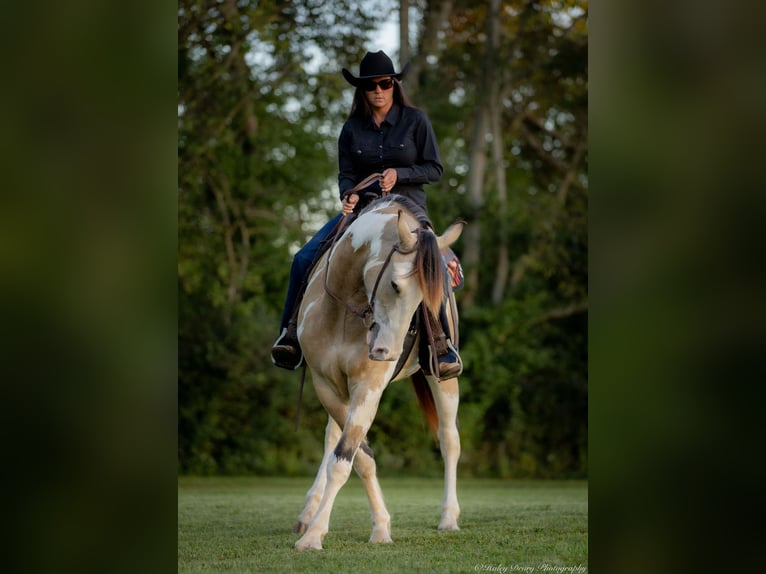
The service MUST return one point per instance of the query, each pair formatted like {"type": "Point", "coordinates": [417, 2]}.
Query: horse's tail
{"type": "Point", "coordinates": [426, 402]}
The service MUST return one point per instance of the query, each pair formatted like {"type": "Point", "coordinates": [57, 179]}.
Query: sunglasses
{"type": "Point", "coordinates": [369, 85]}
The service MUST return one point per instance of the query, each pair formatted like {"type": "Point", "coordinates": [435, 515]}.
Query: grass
{"type": "Point", "coordinates": [244, 525]}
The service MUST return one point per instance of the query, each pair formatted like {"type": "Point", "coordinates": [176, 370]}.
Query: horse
{"type": "Point", "coordinates": [352, 323]}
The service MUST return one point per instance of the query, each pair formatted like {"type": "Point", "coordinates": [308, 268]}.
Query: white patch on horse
{"type": "Point", "coordinates": [370, 232]}
{"type": "Point", "coordinates": [314, 277]}
{"type": "Point", "coordinates": [306, 313]}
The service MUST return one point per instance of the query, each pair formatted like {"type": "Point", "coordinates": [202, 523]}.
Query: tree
{"type": "Point", "coordinates": [514, 77]}
{"type": "Point", "coordinates": [261, 102]}
{"type": "Point", "coordinates": [258, 92]}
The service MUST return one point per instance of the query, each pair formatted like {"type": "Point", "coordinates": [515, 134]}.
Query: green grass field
{"type": "Point", "coordinates": [244, 525]}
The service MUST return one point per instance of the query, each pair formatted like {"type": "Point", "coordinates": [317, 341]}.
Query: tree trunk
{"type": "Point", "coordinates": [475, 185]}
{"type": "Point", "coordinates": [404, 32]}
{"type": "Point", "coordinates": [502, 267]}
{"type": "Point", "coordinates": [487, 90]}
{"type": "Point", "coordinates": [436, 15]}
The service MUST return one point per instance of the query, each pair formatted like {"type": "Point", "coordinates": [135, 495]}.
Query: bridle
{"type": "Point", "coordinates": [367, 312]}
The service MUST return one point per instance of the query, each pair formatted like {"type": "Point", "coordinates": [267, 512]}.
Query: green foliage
{"type": "Point", "coordinates": [253, 151]}
{"type": "Point", "coordinates": [261, 102]}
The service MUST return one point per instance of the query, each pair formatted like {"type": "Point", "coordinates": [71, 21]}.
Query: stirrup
{"type": "Point", "coordinates": [286, 353]}
{"type": "Point", "coordinates": [450, 363]}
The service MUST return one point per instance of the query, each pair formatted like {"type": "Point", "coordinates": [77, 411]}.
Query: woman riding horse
{"type": "Point", "coordinates": [384, 134]}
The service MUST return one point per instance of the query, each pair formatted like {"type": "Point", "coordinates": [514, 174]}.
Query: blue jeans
{"type": "Point", "coordinates": [302, 263]}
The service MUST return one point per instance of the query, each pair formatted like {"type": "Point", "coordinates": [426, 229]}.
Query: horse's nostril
{"type": "Point", "coordinates": [379, 353]}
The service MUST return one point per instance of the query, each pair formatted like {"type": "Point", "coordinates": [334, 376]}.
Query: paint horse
{"type": "Point", "coordinates": [352, 324]}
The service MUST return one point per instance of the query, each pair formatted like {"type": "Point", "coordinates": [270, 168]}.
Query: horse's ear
{"type": "Point", "coordinates": [451, 235]}
{"type": "Point", "coordinates": [407, 238]}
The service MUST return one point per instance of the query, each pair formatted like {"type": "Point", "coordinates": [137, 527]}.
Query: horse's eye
{"type": "Point", "coordinates": [395, 287]}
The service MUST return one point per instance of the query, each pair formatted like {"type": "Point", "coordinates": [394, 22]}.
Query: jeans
{"type": "Point", "coordinates": [302, 263]}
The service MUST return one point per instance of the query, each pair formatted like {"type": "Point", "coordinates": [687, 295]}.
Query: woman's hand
{"type": "Point", "coordinates": [349, 202]}
{"type": "Point", "coordinates": [388, 181]}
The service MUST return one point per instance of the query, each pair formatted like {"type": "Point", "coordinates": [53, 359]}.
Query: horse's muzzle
{"type": "Point", "coordinates": [379, 350]}
{"type": "Point", "coordinates": [381, 354]}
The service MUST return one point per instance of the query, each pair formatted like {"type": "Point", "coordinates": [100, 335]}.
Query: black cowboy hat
{"type": "Point", "coordinates": [374, 65]}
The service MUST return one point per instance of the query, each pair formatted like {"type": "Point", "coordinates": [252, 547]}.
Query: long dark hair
{"type": "Point", "coordinates": [361, 107]}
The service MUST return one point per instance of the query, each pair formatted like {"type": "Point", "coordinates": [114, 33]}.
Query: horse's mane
{"type": "Point", "coordinates": [429, 265]}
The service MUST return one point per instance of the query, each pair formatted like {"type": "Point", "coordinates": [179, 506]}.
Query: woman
{"type": "Point", "coordinates": [383, 134]}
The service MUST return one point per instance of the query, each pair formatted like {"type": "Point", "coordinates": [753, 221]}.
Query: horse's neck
{"type": "Point", "coordinates": [346, 271]}
{"type": "Point", "coordinates": [362, 250]}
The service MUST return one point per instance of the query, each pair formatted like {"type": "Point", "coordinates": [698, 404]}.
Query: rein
{"type": "Point", "coordinates": [365, 183]}
{"type": "Point", "coordinates": [366, 313]}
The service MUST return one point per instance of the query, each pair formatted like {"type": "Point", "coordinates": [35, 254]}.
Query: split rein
{"type": "Point", "coordinates": [366, 313]}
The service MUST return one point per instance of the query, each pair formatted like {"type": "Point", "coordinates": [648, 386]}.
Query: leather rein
{"type": "Point", "coordinates": [366, 313]}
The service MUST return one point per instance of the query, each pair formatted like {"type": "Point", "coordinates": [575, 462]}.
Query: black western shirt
{"type": "Point", "coordinates": [405, 141]}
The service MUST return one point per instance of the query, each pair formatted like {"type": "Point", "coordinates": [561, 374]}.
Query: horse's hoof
{"type": "Point", "coordinates": [382, 538]}
{"type": "Point", "coordinates": [448, 526]}
{"type": "Point", "coordinates": [304, 544]}
{"type": "Point", "coordinates": [300, 527]}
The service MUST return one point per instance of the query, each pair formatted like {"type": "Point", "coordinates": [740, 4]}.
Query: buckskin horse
{"type": "Point", "coordinates": [352, 324]}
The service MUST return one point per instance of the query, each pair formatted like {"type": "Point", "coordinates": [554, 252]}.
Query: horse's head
{"type": "Point", "coordinates": [412, 272]}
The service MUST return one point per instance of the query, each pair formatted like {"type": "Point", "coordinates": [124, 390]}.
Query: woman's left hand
{"type": "Point", "coordinates": [349, 202]}
{"type": "Point", "coordinates": [388, 181]}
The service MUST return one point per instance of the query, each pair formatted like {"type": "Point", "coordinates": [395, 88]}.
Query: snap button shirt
{"type": "Point", "coordinates": [405, 141]}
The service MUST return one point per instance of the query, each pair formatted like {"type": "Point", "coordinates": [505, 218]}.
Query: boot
{"type": "Point", "coordinates": [286, 352]}
{"type": "Point", "coordinates": [449, 361]}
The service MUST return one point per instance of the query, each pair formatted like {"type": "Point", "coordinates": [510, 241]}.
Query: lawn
{"type": "Point", "coordinates": [245, 525]}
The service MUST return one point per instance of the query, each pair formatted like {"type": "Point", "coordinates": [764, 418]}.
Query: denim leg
{"type": "Point", "coordinates": [301, 266]}
{"type": "Point", "coordinates": [443, 309]}
{"type": "Point", "coordinates": [444, 321]}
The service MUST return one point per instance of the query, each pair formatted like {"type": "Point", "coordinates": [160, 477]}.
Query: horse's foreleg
{"type": "Point", "coordinates": [315, 493]}
{"type": "Point", "coordinates": [447, 397]}
{"type": "Point", "coordinates": [360, 417]}
{"type": "Point", "coordinates": [365, 467]}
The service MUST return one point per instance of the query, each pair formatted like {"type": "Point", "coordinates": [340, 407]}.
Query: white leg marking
{"type": "Point", "coordinates": [365, 467]}
{"type": "Point", "coordinates": [338, 471]}
{"type": "Point", "coordinates": [339, 465]}
{"type": "Point", "coordinates": [447, 397]}
{"type": "Point", "coordinates": [315, 493]}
